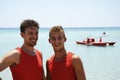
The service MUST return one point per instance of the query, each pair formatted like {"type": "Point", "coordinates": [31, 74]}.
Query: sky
{"type": "Point", "coordinates": [67, 13]}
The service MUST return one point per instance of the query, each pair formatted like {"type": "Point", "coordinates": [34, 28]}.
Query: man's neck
{"type": "Point", "coordinates": [28, 50]}
{"type": "Point", "coordinates": [59, 55]}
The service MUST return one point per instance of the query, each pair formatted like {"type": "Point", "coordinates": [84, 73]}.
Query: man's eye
{"type": "Point", "coordinates": [53, 39]}
{"type": "Point", "coordinates": [59, 38]}
{"type": "Point", "coordinates": [30, 33]}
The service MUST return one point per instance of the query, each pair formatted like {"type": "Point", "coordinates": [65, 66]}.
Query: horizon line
{"type": "Point", "coordinates": [69, 27]}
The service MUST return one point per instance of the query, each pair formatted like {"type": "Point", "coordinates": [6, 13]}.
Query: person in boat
{"type": "Point", "coordinates": [100, 40]}
{"type": "Point", "coordinates": [88, 40]}
{"type": "Point", "coordinates": [25, 62]}
{"type": "Point", "coordinates": [62, 65]}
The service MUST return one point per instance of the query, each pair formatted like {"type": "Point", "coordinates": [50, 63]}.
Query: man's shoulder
{"type": "Point", "coordinates": [50, 59]}
{"type": "Point", "coordinates": [37, 50]}
{"type": "Point", "coordinates": [14, 52]}
{"type": "Point", "coordinates": [73, 55]}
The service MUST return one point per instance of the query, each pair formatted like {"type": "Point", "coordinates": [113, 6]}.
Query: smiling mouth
{"type": "Point", "coordinates": [57, 45]}
{"type": "Point", "coordinates": [33, 40]}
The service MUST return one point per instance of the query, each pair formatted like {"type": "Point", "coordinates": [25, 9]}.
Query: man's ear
{"type": "Point", "coordinates": [21, 33]}
{"type": "Point", "coordinates": [49, 40]}
{"type": "Point", "coordinates": [65, 39]}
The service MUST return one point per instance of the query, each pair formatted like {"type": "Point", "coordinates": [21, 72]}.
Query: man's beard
{"type": "Point", "coordinates": [32, 44]}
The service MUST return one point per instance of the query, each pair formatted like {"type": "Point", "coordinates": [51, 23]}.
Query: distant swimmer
{"type": "Point", "coordinates": [104, 33]}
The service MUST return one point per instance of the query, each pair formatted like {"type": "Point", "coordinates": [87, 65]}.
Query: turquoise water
{"type": "Point", "coordinates": [100, 63]}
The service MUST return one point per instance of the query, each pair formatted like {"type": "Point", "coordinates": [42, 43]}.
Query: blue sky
{"type": "Point", "coordinates": [68, 13]}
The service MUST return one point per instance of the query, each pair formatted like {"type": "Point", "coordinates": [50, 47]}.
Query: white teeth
{"type": "Point", "coordinates": [33, 40]}
{"type": "Point", "coordinates": [57, 45]}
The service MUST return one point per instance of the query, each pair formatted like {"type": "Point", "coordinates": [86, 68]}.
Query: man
{"type": "Point", "coordinates": [63, 65]}
{"type": "Point", "coordinates": [25, 62]}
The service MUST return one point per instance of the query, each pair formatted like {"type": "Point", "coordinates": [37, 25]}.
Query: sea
{"type": "Point", "coordinates": [100, 62]}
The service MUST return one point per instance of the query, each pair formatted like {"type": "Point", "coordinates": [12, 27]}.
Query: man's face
{"type": "Point", "coordinates": [30, 36]}
{"type": "Point", "coordinates": [57, 40]}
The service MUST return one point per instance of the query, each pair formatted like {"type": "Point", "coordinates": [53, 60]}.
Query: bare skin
{"type": "Point", "coordinates": [12, 58]}
{"type": "Point", "coordinates": [57, 41]}
{"type": "Point", "coordinates": [78, 66]}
